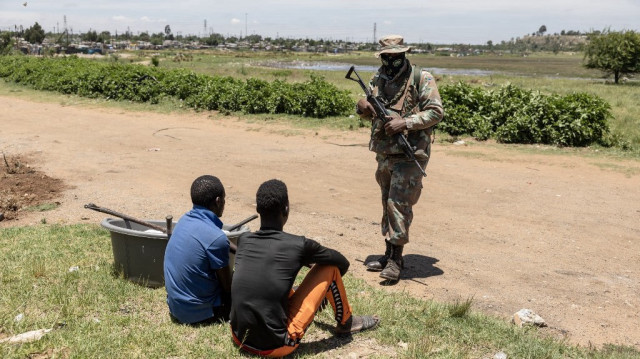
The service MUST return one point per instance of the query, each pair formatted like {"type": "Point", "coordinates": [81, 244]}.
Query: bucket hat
{"type": "Point", "coordinates": [392, 44]}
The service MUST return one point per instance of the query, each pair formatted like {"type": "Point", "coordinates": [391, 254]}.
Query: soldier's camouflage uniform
{"type": "Point", "coordinates": [399, 178]}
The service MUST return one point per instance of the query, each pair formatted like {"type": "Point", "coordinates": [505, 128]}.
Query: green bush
{"type": "Point", "coordinates": [515, 115]}
{"type": "Point", "coordinates": [72, 75]}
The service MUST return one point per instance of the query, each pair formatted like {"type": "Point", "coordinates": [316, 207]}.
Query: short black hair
{"type": "Point", "coordinates": [272, 198]}
{"type": "Point", "coordinates": [205, 189]}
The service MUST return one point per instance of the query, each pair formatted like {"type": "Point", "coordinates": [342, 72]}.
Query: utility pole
{"type": "Point", "coordinates": [246, 33]}
{"type": "Point", "coordinates": [374, 32]}
{"type": "Point", "coordinates": [66, 31]}
{"type": "Point", "coordinates": [205, 28]}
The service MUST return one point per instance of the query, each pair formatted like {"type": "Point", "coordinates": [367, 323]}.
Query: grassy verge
{"type": "Point", "coordinates": [61, 277]}
{"type": "Point", "coordinates": [173, 106]}
{"type": "Point", "coordinates": [168, 105]}
{"type": "Point", "coordinates": [545, 64]}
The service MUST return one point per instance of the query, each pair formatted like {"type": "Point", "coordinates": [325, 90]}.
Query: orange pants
{"type": "Point", "coordinates": [321, 282]}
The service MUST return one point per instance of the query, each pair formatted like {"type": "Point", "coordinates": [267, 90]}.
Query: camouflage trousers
{"type": "Point", "coordinates": [400, 183]}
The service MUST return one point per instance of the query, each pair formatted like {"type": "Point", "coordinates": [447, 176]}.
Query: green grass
{"type": "Point", "coordinates": [547, 64]}
{"type": "Point", "coordinates": [166, 106]}
{"type": "Point", "coordinates": [41, 207]}
{"type": "Point", "coordinates": [536, 64]}
{"type": "Point", "coordinates": [97, 314]}
{"type": "Point", "coordinates": [607, 159]}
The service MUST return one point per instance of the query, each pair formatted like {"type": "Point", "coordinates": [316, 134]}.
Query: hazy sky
{"type": "Point", "coordinates": [445, 21]}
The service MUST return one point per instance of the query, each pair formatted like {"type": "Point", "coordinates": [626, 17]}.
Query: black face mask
{"type": "Point", "coordinates": [392, 64]}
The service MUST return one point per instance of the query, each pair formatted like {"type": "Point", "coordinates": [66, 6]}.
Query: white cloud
{"type": "Point", "coordinates": [235, 21]}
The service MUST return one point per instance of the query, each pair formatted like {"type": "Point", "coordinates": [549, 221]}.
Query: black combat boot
{"type": "Point", "coordinates": [394, 265]}
{"type": "Point", "coordinates": [379, 264]}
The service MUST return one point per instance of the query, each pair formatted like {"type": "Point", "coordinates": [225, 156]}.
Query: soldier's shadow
{"type": "Point", "coordinates": [416, 266]}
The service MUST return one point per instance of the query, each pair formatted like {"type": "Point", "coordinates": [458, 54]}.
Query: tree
{"type": "Point", "coordinates": [542, 29]}
{"type": "Point", "coordinates": [157, 38]}
{"type": "Point", "coordinates": [254, 39]}
{"type": "Point", "coordinates": [6, 43]}
{"type": "Point", "coordinates": [214, 39]}
{"type": "Point", "coordinates": [91, 36]}
{"type": "Point", "coordinates": [167, 33]}
{"type": "Point", "coordinates": [34, 34]}
{"type": "Point", "coordinates": [616, 53]}
{"type": "Point", "coordinates": [191, 38]}
{"type": "Point", "coordinates": [105, 37]}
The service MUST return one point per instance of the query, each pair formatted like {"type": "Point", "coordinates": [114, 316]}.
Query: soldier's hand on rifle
{"type": "Point", "coordinates": [365, 109]}
{"type": "Point", "coordinates": [395, 124]}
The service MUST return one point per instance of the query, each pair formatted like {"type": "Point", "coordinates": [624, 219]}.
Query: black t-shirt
{"type": "Point", "coordinates": [267, 263]}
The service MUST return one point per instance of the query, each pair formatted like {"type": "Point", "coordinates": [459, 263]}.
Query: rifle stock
{"type": "Point", "coordinates": [382, 113]}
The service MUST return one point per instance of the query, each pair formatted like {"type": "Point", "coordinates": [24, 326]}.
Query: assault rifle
{"type": "Point", "coordinates": [381, 113]}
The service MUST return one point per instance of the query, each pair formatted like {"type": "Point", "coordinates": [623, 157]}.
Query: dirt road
{"type": "Point", "coordinates": [557, 234]}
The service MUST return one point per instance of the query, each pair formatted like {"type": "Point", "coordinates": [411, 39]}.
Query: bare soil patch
{"type": "Point", "coordinates": [555, 233]}
{"type": "Point", "coordinates": [23, 188]}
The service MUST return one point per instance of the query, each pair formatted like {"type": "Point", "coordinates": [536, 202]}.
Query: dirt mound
{"type": "Point", "coordinates": [25, 189]}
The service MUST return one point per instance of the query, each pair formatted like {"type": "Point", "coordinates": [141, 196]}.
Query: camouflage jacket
{"type": "Point", "coordinates": [419, 104]}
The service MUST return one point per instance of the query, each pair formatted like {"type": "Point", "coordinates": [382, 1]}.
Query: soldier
{"type": "Point", "coordinates": [411, 97]}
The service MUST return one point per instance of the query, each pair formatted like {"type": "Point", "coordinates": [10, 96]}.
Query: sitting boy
{"type": "Point", "coordinates": [196, 261]}
{"type": "Point", "coordinates": [267, 316]}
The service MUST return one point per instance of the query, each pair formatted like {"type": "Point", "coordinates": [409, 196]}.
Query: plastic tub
{"type": "Point", "coordinates": [138, 251]}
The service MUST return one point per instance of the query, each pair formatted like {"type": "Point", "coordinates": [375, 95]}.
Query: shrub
{"type": "Point", "coordinates": [71, 75]}
{"type": "Point", "coordinates": [515, 115]}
